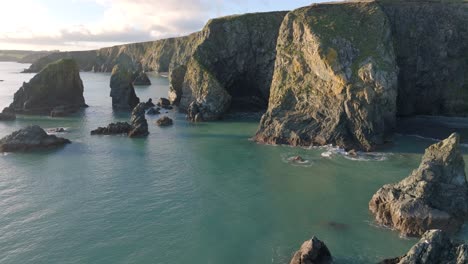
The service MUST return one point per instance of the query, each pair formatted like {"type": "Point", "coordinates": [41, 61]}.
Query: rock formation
{"type": "Point", "coordinates": [164, 121]}
{"type": "Point", "coordinates": [57, 85]}
{"type": "Point", "coordinates": [141, 79]}
{"type": "Point", "coordinates": [335, 80]}
{"type": "Point", "coordinates": [153, 111]}
{"type": "Point", "coordinates": [139, 123]}
{"type": "Point", "coordinates": [7, 115]}
{"type": "Point", "coordinates": [312, 251]}
{"type": "Point", "coordinates": [30, 138]}
{"type": "Point", "coordinates": [113, 129]}
{"type": "Point", "coordinates": [164, 103]}
{"type": "Point", "coordinates": [435, 247]}
{"type": "Point", "coordinates": [122, 90]}
{"type": "Point", "coordinates": [149, 103]}
{"type": "Point", "coordinates": [435, 196]}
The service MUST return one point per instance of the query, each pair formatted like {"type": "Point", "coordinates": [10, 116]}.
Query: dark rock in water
{"type": "Point", "coordinates": [435, 247]}
{"type": "Point", "coordinates": [153, 111]}
{"type": "Point", "coordinates": [141, 79]}
{"type": "Point", "coordinates": [30, 138]}
{"type": "Point", "coordinates": [58, 130]}
{"type": "Point", "coordinates": [164, 121]}
{"type": "Point", "coordinates": [193, 113]}
{"type": "Point", "coordinates": [122, 90]}
{"type": "Point", "coordinates": [176, 80]}
{"type": "Point", "coordinates": [7, 115]}
{"type": "Point", "coordinates": [312, 251]}
{"type": "Point", "coordinates": [57, 85]}
{"type": "Point", "coordinates": [164, 103]}
{"type": "Point", "coordinates": [139, 123]}
{"type": "Point", "coordinates": [435, 196]}
{"type": "Point", "coordinates": [113, 129]}
{"type": "Point", "coordinates": [149, 103]}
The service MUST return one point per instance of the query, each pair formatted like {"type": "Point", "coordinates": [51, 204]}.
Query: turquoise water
{"type": "Point", "coordinates": [190, 193]}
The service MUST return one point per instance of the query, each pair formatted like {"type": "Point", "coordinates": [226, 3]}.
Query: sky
{"type": "Point", "coordinates": [91, 24]}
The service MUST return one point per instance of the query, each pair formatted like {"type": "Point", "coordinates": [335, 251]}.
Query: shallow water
{"type": "Point", "coordinates": [190, 193]}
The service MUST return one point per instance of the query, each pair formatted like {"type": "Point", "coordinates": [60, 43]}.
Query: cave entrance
{"type": "Point", "coordinates": [246, 95]}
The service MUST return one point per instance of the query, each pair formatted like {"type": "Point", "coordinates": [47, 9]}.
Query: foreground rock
{"type": "Point", "coordinates": [435, 247]}
{"type": "Point", "coordinates": [57, 86]}
{"type": "Point", "coordinates": [122, 90]}
{"type": "Point", "coordinates": [164, 121]}
{"type": "Point", "coordinates": [7, 115]}
{"type": "Point", "coordinates": [139, 123]}
{"type": "Point", "coordinates": [435, 196]}
{"type": "Point", "coordinates": [30, 138]}
{"type": "Point", "coordinates": [312, 251]}
{"type": "Point", "coordinates": [141, 79]}
{"type": "Point", "coordinates": [113, 129]}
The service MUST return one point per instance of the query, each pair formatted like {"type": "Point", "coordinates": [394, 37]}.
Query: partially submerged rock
{"type": "Point", "coordinates": [57, 85]}
{"type": "Point", "coordinates": [312, 251]}
{"type": "Point", "coordinates": [435, 247]}
{"type": "Point", "coordinates": [141, 78]}
{"type": "Point", "coordinates": [153, 111]}
{"type": "Point", "coordinates": [149, 103]}
{"type": "Point", "coordinates": [7, 115]}
{"type": "Point", "coordinates": [164, 121]}
{"type": "Point", "coordinates": [164, 103]}
{"type": "Point", "coordinates": [435, 196]}
{"type": "Point", "coordinates": [30, 138]}
{"type": "Point", "coordinates": [122, 90]}
{"type": "Point", "coordinates": [113, 129]}
{"type": "Point", "coordinates": [139, 123]}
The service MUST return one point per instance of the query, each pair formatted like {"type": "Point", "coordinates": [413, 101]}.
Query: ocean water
{"type": "Point", "coordinates": [190, 193]}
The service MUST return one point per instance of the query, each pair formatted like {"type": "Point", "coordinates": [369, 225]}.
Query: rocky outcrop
{"type": "Point", "coordinates": [164, 103]}
{"type": "Point", "coordinates": [153, 111]}
{"type": "Point", "coordinates": [7, 115]}
{"type": "Point", "coordinates": [435, 196]}
{"type": "Point", "coordinates": [113, 129]}
{"type": "Point", "coordinates": [312, 251]}
{"type": "Point", "coordinates": [232, 63]}
{"type": "Point", "coordinates": [29, 139]}
{"type": "Point", "coordinates": [434, 247]}
{"type": "Point", "coordinates": [335, 79]}
{"type": "Point", "coordinates": [141, 78]}
{"type": "Point", "coordinates": [139, 123]}
{"type": "Point", "coordinates": [122, 90]}
{"type": "Point", "coordinates": [164, 121]}
{"type": "Point", "coordinates": [57, 86]}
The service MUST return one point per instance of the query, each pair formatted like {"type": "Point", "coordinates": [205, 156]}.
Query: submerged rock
{"type": "Point", "coordinates": [312, 251]}
{"type": "Point", "coordinates": [57, 85]}
{"type": "Point", "coordinates": [30, 138]}
{"type": "Point", "coordinates": [141, 79]}
{"type": "Point", "coordinates": [113, 129]}
{"type": "Point", "coordinates": [435, 196]}
{"type": "Point", "coordinates": [435, 247]}
{"type": "Point", "coordinates": [139, 123]}
{"type": "Point", "coordinates": [164, 121]}
{"type": "Point", "coordinates": [7, 115]}
{"type": "Point", "coordinates": [122, 90]}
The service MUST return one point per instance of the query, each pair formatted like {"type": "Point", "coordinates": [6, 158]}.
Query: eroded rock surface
{"type": "Point", "coordinates": [113, 129]}
{"type": "Point", "coordinates": [434, 196]}
{"type": "Point", "coordinates": [141, 79]}
{"type": "Point", "coordinates": [29, 139]}
{"type": "Point", "coordinates": [139, 123]}
{"type": "Point", "coordinates": [312, 251]}
{"type": "Point", "coordinates": [7, 115]}
{"type": "Point", "coordinates": [122, 90]}
{"type": "Point", "coordinates": [164, 121]}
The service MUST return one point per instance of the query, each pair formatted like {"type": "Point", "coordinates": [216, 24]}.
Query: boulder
{"type": "Point", "coordinates": [149, 103]}
{"type": "Point", "coordinates": [30, 138]}
{"type": "Point", "coordinates": [435, 247]}
{"type": "Point", "coordinates": [141, 79]}
{"type": "Point", "coordinates": [153, 111]}
{"type": "Point", "coordinates": [113, 129]}
{"type": "Point", "coordinates": [164, 121]}
{"type": "Point", "coordinates": [57, 85]}
{"type": "Point", "coordinates": [312, 251]}
{"type": "Point", "coordinates": [7, 115]}
{"type": "Point", "coordinates": [122, 90]}
{"type": "Point", "coordinates": [164, 103]}
{"type": "Point", "coordinates": [139, 123]}
{"type": "Point", "coordinates": [434, 196]}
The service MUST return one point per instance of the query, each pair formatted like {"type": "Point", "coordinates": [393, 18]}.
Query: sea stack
{"type": "Point", "coordinates": [29, 139]}
{"type": "Point", "coordinates": [435, 247]}
{"type": "Point", "coordinates": [434, 196]}
{"type": "Point", "coordinates": [122, 90]}
{"type": "Point", "coordinates": [57, 86]}
{"type": "Point", "coordinates": [312, 251]}
{"type": "Point", "coordinates": [139, 123]}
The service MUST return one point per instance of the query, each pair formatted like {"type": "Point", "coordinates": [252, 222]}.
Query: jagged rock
{"type": "Point", "coordinates": [176, 80]}
{"type": "Point", "coordinates": [153, 111]}
{"type": "Point", "coordinates": [30, 138]}
{"type": "Point", "coordinates": [333, 84]}
{"type": "Point", "coordinates": [7, 115]}
{"type": "Point", "coordinates": [149, 103]}
{"type": "Point", "coordinates": [57, 85]}
{"type": "Point", "coordinates": [164, 103]}
{"type": "Point", "coordinates": [312, 251]}
{"type": "Point", "coordinates": [164, 121]}
{"type": "Point", "coordinates": [193, 113]}
{"type": "Point", "coordinates": [139, 123]}
{"type": "Point", "coordinates": [122, 90]}
{"type": "Point", "coordinates": [435, 196]}
{"type": "Point", "coordinates": [141, 79]}
{"type": "Point", "coordinates": [435, 247]}
{"type": "Point", "coordinates": [113, 129]}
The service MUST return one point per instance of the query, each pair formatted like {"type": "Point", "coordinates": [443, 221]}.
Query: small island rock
{"type": "Point", "coordinates": [164, 121]}
{"type": "Point", "coordinates": [139, 123]}
{"type": "Point", "coordinates": [122, 90]}
{"type": "Point", "coordinates": [113, 129]}
{"type": "Point", "coordinates": [312, 251]}
{"type": "Point", "coordinates": [30, 138]}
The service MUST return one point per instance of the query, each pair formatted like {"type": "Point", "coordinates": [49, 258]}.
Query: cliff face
{"type": "Point", "coordinates": [232, 66]}
{"type": "Point", "coordinates": [335, 79]}
{"type": "Point", "coordinates": [431, 43]}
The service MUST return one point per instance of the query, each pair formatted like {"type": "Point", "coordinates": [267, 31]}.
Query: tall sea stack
{"type": "Point", "coordinates": [122, 90]}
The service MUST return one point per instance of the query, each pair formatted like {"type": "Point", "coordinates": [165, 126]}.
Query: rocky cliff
{"type": "Point", "coordinates": [58, 85]}
{"type": "Point", "coordinates": [335, 79]}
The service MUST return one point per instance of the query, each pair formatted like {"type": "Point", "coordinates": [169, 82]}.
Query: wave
{"type": "Point", "coordinates": [357, 156]}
